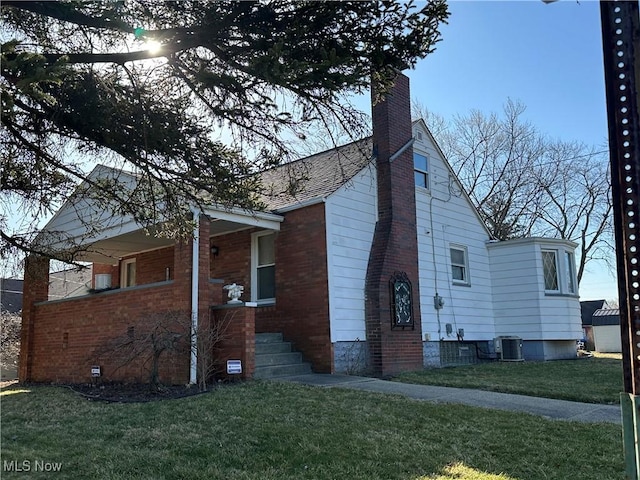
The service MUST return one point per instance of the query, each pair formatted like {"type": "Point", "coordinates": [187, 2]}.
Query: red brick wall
{"type": "Point", "coordinates": [302, 295]}
{"type": "Point", "coordinates": [71, 336]}
{"type": "Point", "coordinates": [394, 246]}
{"type": "Point", "coordinates": [239, 342]}
{"type": "Point", "coordinates": [233, 263]}
{"type": "Point", "coordinates": [301, 312]}
{"type": "Point", "coordinates": [35, 288]}
{"type": "Point", "coordinates": [100, 268]}
{"type": "Point", "coordinates": [151, 266]}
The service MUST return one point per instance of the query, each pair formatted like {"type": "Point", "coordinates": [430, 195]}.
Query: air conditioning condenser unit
{"type": "Point", "coordinates": [509, 348]}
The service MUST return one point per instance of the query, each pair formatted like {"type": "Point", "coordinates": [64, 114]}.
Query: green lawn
{"type": "Point", "coordinates": [592, 380]}
{"type": "Point", "coordinates": [262, 430]}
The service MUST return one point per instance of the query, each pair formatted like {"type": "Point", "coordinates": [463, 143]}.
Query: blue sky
{"type": "Point", "coordinates": [548, 56]}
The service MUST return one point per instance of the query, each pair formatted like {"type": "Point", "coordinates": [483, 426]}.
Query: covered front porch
{"type": "Point", "coordinates": [141, 283]}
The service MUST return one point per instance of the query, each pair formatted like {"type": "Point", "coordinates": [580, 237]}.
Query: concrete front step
{"type": "Point", "coordinates": [268, 337]}
{"type": "Point", "coordinates": [280, 347]}
{"type": "Point", "coordinates": [274, 371]}
{"type": "Point", "coordinates": [278, 359]}
{"type": "Point", "coordinates": [274, 357]}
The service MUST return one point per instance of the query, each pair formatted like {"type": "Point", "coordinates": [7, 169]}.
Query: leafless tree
{"type": "Point", "coordinates": [577, 201]}
{"type": "Point", "coordinates": [209, 338]}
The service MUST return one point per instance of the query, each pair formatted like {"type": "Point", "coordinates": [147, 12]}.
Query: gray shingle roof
{"type": "Point", "coordinates": [606, 316]}
{"type": "Point", "coordinates": [313, 177]}
{"type": "Point", "coordinates": [587, 308]}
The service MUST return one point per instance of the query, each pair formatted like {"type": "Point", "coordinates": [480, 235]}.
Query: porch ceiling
{"type": "Point", "coordinates": [110, 250]}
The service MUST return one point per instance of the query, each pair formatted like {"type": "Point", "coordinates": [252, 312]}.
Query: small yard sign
{"type": "Point", "coordinates": [234, 367]}
{"type": "Point", "coordinates": [95, 371]}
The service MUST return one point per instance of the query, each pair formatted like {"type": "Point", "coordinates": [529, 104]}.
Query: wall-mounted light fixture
{"type": "Point", "coordinates": [214, 250]}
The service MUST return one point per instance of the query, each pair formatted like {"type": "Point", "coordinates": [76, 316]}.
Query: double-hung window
{"type": "Point", "coordinates": [459, 265]}
{"type": "Point", "coordinates": [264, 267]}
{"type": "Point", "coordinates": [421, 170]}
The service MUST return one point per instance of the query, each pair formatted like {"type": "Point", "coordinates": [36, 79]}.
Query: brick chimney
{"type": "Point", "coordinates": [394, 334]}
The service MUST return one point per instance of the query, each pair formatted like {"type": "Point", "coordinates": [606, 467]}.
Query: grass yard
{"type": "Point", "coordinates": [262, 430]}
{"type": "Point", "coordinates": [593, 380]}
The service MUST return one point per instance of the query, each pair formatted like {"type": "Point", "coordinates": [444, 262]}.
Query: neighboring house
{"type": "Point", "coordinates": [11, 294]}
{"type": "Point", "coordinates": [62, 284]}
{"type": "Point", "coordinates": [587, 309]}
{"type": "Point", "coordinates": [379, 262]}
{"type": "Point", "coordinates": [606, 330]}
{"type": "Point", "coordinates": [72, 282]}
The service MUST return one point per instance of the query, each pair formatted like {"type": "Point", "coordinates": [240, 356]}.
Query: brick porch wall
{"type": "Point", "coordinates": [61, 339]}
{"type": "Point", "coordinates": [72, 335]}
{"type": "Point", "coordinates": [302, 286]}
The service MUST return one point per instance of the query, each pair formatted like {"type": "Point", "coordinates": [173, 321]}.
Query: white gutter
{"type": "Point", "coordinates": [304, 203]}
{"type": "Point", "coordinates": [193, 370]}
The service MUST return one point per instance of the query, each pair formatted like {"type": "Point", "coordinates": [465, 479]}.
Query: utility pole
{"type": "Point", "coordinates": [621, 47]}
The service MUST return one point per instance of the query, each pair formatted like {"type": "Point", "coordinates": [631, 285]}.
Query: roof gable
{"type": "Point", "coordinates": [420, 126]}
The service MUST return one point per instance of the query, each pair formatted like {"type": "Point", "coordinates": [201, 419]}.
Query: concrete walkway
{"type": "Point", "coordinates": [545, 407]}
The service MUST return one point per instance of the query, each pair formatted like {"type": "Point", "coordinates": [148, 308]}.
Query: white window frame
{"type": "Point", "coordinates": [570, 275]}
{"type": "Point", "coordinates": [465, 266]}
{"type": "Point", "coordinates": [254, 267]}
{"type": "Point", "coordinates": [558, 271]}
{"type": "Point", "coordinates": [421, 171]}
{"type": "Point", "coordinates": [124, 277]}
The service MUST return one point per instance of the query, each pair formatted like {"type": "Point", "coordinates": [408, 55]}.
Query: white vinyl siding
{"type": "Point", "coordinates": [351, 214]}
{"type": "Point", "coordinates": [445, 218]}
{"type": "Point", "coordinates": [522, 304]}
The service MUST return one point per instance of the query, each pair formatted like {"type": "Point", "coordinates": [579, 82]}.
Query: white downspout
{"type": "Point", "coordinates": [193, 371]}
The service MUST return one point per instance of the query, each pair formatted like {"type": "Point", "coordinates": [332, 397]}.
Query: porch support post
{"type": "Point", "coordinates": [193, 367]}
{"type": "Point", "coordinates": [35, 289]}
